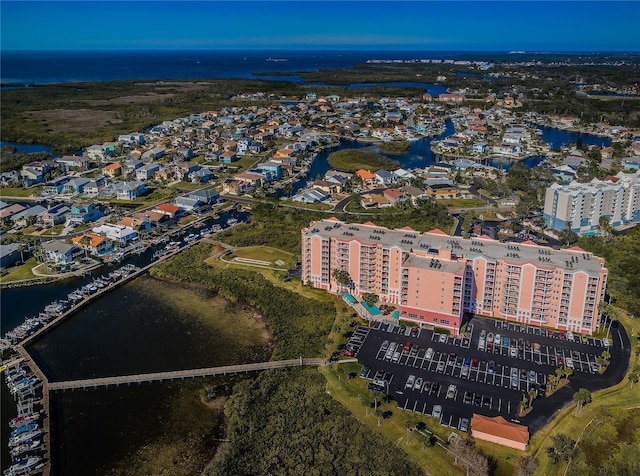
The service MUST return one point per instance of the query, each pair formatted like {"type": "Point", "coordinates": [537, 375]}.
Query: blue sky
{"type": "Point", "coordinates": [412, 25]}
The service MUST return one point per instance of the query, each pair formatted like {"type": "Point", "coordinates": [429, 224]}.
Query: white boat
{"type": "Point", "coordinates": [26, 446]}
{"type": "Point", "coordinates": [23, 466]}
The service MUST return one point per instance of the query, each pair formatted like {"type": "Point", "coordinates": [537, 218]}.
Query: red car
{"type": "Point", "coordinates": [474, 363]}
{"type": "Point", "coordinates": [348, 353]}
{"type": "Point", "coordinates": [563, 336]}
{"type": "Point", "coordinates": [414, 331]}
{"type": "Point", "coordinates": [489, 346]}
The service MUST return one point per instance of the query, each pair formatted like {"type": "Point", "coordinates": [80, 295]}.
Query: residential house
{"type": "Point", "coordinates": [72, 162]}
{"type": "Point", "coordinates": [10, 178]}
{"type": "Point", "coordinates": [60, 253]}
{"type": "Point", "coordinates": [631, 163]}
{"type": "Point", "coordinates": [183, 170]}
{"type": "Point", "coordinates": [310, 196]}
{"type": "Point", "coordinates": [374, 200]}
{"type": "Point", "coordinates": [75, 186]}
{"type": "Point", "coordinates": [206, 196]}
{"type": "Point", "coordinates": [368, 179]}
{"type": "Point", "coordinates": [9, 254]}
{"type": "Point", "coordinates": [384, 177]}
{"type": "Point", "coordinates": [250, 178]}
{"type": "Point", "coordinates": [121, 235]}
{"type": "Point", "coordinates": [404, 175]}
{"type": "Point", "coordinates": [128, 190]}
{"type": "Point", "coordinates": [228, 157]}
{"type": "Point", "coordinates": [7, 212]}
{"type": "Point", "coordinates": [29, 216]}
{"type": "Point", "coordinates": [153, 154]}
{"type": "Point", "coordinates": [94, 244]}
{"type": "Point", "coordinates": [273, 167]}
{"type": "Point", "coordinates": [56, 215]}
{"type": "Point", "coordinates": [54, 186]}
{"type": "Point", "coordinates": [147, 171]}
{"type": "Point", "coordinates": [112, 170]}
{"type": "Point", "coordinates": [212, 156]}
{"type": "Point", "coordinates": [415, 194]}
{"type": "Point", "coordinates": [137, 223]}
{"type": "Point", "coordinates": [93, 187]}
{"type": "Point", "coordinates": [131, 165]}
{"type": "Point", "coordinates": [189, 203]}
{"type": "Point", "coordinates": [243, 146]}
{"type": "Point", "coordinates": [154, 218]}
{"type": "Point", "coordinates": [441, 188]}
{"type": "Point", "coordinates": [31, 176]}
{"type": "Point", "coordinates": [83, 213]}
{"type": "Point", "coordinates": [394, 196]}
{"type": "Point", "coordinates": [184, 153]}
{"type": "Point", "coordinates": [134, 138]}
{"type": "Point", "coordinates": [96, 153]}
{"type": "Point", "coordinates": [172, 211]}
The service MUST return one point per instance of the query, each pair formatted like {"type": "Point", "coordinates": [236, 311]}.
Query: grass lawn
{"type": "Point", "coordinates": [187, 186]}
{"type": "Point", "coordinates": [462, 203]}
{"type": "Point", "coordinates": [16, 273]}
{"type": "Point", "coordinates": [54, 230]}
{"type": "Point", "coordinates": [245, 162]}
{"type": "Point", "coordinates": [265, 253]}
{"type": "Point", "coordinates": [435, 460]}
{"type": "Point", "coordinates": [19, 191]}
{"type": "Point", "coordinates": [619, 397]}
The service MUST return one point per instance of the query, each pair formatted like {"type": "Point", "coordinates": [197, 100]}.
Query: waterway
{"type": "Point", "coordinates": [559, 138]}
{"type": "Point", "coordinates": [145, 325]}
{"type": "Point", "coordinates": [28, 148]}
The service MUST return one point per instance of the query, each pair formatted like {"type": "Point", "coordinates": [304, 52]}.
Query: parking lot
{"type": "Point", "coordinates": [488, 370]}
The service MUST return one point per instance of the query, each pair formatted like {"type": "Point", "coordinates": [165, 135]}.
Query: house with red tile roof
{"type": "Point", "coordinates": [167, 209]}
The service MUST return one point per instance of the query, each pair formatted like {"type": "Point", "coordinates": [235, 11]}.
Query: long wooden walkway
{"type": "Point", "coordinates": [180, 374]}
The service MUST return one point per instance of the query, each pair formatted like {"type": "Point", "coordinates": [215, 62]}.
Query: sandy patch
{"type": "Point", "coordinates": [137, 99]}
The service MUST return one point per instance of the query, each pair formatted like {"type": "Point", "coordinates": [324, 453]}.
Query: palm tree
{"type": "Point", "coordinates": [582, 397]}
{"type": "Point", "coordinates": [377, 397]}
{"type": "Point", "coordinates": [567, 372]}
{"type": "Point", "coordinates": [341, 276]}
{"type": "Point", "coordinates": [410, 425]}
{"type": "Point", "coordinates": [552, 381]}
{"type": "Point", "coordinates": [606, 355]}
{"type": "Point", "coordinates": [532, 396]}
{"type": "Point", "coordinates": [601, 361]}
{"type": "Point", "coordinates": [560, 373]}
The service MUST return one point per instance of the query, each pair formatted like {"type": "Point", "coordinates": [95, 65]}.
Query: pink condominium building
{"type": "Point", "coordinates": [433, 278]}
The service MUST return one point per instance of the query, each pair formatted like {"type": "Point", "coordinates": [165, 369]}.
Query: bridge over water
{"type": "Point", "coordinates": [182, 374]}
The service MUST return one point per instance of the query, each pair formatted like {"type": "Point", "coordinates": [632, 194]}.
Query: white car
{"type": "Point", "coordinates": [451, 391]}
{"type": "Point", "coordinates": [410, 381]}
{"type": "Point", "coordinates": [443, 338]}
{"type": "Point", "coordinates": [437, 411]}
{"type": "Point", "coordinates": [429, 353]}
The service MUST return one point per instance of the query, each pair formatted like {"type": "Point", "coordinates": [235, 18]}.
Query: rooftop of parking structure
{"type": "Point", "coordinates": [437, 244]}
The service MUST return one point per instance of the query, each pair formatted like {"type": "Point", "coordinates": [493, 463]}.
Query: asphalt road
{"type": "Point", "coordinates": [494, 391]}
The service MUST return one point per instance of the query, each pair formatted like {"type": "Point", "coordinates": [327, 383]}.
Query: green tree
{"type": "Point", "coordinates": [568, 236]}
{"type": "Point", "coordinates": [410, 425]}
{"type": "Point", "coordinates": [532, 396]}
{"type": "Point", "coordinates": [552, 381]}
{"type": "Point", "coordinates": [563, 448]}
{"type": "Point", "coordinates": [341, 276]}
{"type": "Point", "coordinates": [370, 298]}
{"type": "Point", "coordinates": [582, 397]}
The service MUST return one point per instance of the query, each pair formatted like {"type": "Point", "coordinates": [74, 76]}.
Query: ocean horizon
{"type": "Point", "coordinates": [22, 67]}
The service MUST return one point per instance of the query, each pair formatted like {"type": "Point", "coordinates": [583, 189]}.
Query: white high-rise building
{"type": "Point", "coordinates": [580, 205]}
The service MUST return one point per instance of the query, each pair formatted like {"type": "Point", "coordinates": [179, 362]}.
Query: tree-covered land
{"type": "Point", "coordinates": [395, 147]}
{"type": "Point", "coordinates": [279, 227]}
{"type": "Point", "coordinates": [351, 160]}
{"type": "Point", "coordinates": [609, 446]}
{"type": "Point", "coordinates": [11, 159]}
{"type": "Point", "coordinates": [300, 325]}
{"type": "Point", "coordinates": [622, 256]}
{"type": "Point", "coordinates": [285, 423]}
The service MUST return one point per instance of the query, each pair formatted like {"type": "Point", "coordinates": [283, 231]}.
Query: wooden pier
{"type": "Point", "coordinates": [180, 374]}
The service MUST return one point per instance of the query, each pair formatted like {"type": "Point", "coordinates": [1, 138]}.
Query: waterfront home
{"type": "Point", "coordinates": [84, 212]}
{"type": "Point", "coordinates": [154, 218]}
{"type": "Point", "coordinates": [112, 170]}
{"type": "Point", "coordinates": [451, 98]}
{"type": "Point", "coordinates": [92, 189]}
{"type": "Point", "coordinates": [59, 253]}
{"type": "Point", "coordinates": [75, 185]}
{"type": "Point", "coordinates": [172, 211]}
{"type": "Point", "coordinates": [310, 196]}
{"type": "Point", "coordinates": [94, 244]}
{"type": "Point", "coordinates": [10, 178]}
{"type": "Point", "coordinates": [9, 254]}
{"type": "Point", "coordinates": [325, 186]}
{"type": "Point", "coordinates": [206, 196]}
{"type": "Point", "coordinates": [56, 215]}
{"type": "Point", "coordinates": [147, 171]}
{"type": "Point", "coordinates": [138, 223]}
{"type": "Point", "coordinates": [404, 175]}
{"type": "Point", "coordinates": [564, 173]}
{"type": "Point", "coordinates": [122, 235]}
{"type": "Point", "coordinates": [273, 167]}
{"type": "Point", "coordinates": [367, 177]}
{"type": "Point", "coordinates": [96, 153]}
{"type": "Point", "coordinates": [384, 177]}
{"type": "Point", "coordinates": [189, 204]}
{"type": "Point", "coordinates": [31, 176]}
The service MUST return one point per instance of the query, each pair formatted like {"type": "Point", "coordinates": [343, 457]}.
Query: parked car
{"type": "Point", "coordinates": [414, 331]}
{"type": "Point", "coordinates": [442, 339]}
{"type": "Point", "coordinates": [437, 411]}
{"type": "Point", "coordinates": [429, 353]}
{"type": "Point", "coordinates": [441, 366]}
{"type": "Point", "coordinates": [426, 387]}
{"type": "Point", "coordinates": [491, 366]}
{"type": "Point", "coordinates": [464, 424]}
{"type": "Point", "coordinates": [396, 356]}
{"type": "Point", "coordinates": [364, 371]}
{"type": "Point", "coordinates": [532, 376]}
{"type": "Point", "coordinates": [385, 345]}
{"type": "Point", "coordinates": [505, 341]}
{"type": "Point", "coordinates": [414, 349]}
{"type": "Point", "coordinates": [467, 398]}
{"type": "Point", "coordinates": [410, 381]}
{"type": "Point", "coordinates": [418, 384]}
{"type": "Point", "coordinates": [514, 377]}
{"type": "Point", "coordinates": [475, 363]}
{"type": "Point", "coordinates": [497, 340]}
{"type": "Point", "coordinates": [451, 391]}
